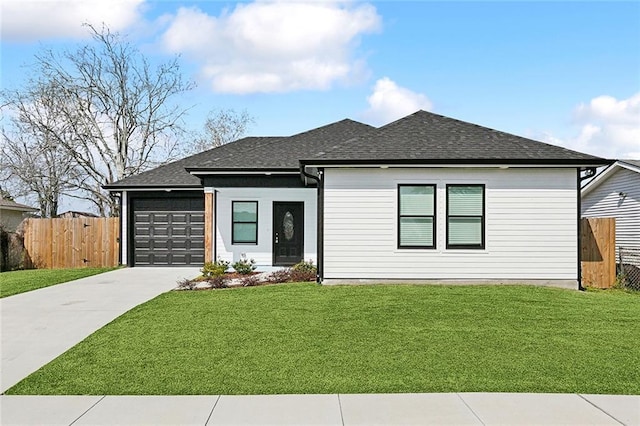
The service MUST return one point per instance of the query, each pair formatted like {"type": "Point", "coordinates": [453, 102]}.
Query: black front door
{"type": "Point", "coordinates": [288, 233]}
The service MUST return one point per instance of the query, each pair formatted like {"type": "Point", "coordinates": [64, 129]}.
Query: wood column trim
{"type": "Point", "coordinates": [209, 220]}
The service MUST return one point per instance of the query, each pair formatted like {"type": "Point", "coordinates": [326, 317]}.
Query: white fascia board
{"type": "Point", "coordinates": [445, 166]}
{"type": "Point", "coordinates": [267, 173]}
{"type": "Point", "coordinates": [166, 189]}
{"type": "Point", "coordinates": [601, 177]}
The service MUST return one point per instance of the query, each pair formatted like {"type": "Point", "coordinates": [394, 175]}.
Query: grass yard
{"type": "Point", "coordinates": [304, 338]}
{"type": "Point", "coordinates": [16, 282]}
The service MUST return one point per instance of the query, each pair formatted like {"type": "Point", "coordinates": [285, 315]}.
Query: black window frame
{"type": "Point", "coordinates": [483, 218]}
{"type": "Point", "coordinates": [234, 222]}
{"type": "Point", "coordinates": [433, 216]}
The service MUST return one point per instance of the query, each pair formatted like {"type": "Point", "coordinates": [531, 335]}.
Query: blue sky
{"type": "Point", "coordinates": [567, 73]}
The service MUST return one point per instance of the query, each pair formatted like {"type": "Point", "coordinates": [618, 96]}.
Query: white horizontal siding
{"type": "Point", "coordinates": [531, 225]}
{"type": "Point", "coordinates": [605, 201]}
{"type": "Point", "coordinates": [262, 252]}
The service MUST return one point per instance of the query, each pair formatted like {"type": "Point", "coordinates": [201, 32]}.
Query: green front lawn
{"type": "Point", "coordinates": [16, 282]}
{"type": "Point", "coordinates": [304, 338]}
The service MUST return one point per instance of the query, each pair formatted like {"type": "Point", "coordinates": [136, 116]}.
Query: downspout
{"type": "Point", "coordinates": [589, 173]}
{"type": "Point", "coordinates": [119, 196]}
{"type": "Point", "coordinates": [319, 220]}
{"type": "Point", "coordinates": [215, 225]}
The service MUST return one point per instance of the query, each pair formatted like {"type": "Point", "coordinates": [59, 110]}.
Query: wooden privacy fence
{"type": "Point", "coordinates": [71, 243]}
{"type": "Point", "coordinates": [598, 250]}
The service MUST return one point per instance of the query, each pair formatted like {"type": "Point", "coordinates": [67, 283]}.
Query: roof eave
{"type": "Point", "coordinates": [240, 170]}
{"type": "Point", "coordinates": [596, 162]}
{"type": "Point", "coordinates": [119, 188]}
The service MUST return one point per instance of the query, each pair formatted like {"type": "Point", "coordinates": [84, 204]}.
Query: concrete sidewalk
{"type": "Point", "coordinates": [40, 325]}
{"type": "Point", "coordinates": [349, 409]}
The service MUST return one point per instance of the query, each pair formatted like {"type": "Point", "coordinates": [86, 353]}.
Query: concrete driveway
{"type": "Point", "coordinates": [39, 325]}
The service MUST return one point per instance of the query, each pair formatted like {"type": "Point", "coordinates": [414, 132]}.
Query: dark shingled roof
{"type": "Point", "coordinates": [427, 138]}
{"type": "Point", "coordinates": [282, 153]}
{"type": "Point", "coordinates": [251, 153]}
{"type": "Point", "coordinates": [420, 138]}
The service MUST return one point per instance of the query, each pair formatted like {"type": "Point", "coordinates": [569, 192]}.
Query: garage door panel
{"type": "Point", "coordinates": [159, 245]}
{"type": "Point", "coordinates": [179, 245]}
{"type": "Point", "coordinates": [177, 218]}
{"type": "Point", "coordinates": [197, 230]}
{"type": "Point", "coordinates": [142, 244]}
{"type": "Point", "coordinates": [179, 231]}
{"type": "Point", "coordinates": [197, 245]}
{"type": "Point", "coordinates": [163, 235]}
{"type": "Point", "coordinates": [160, 218]}
{"type": "Point", "coordinates": [142, 232]}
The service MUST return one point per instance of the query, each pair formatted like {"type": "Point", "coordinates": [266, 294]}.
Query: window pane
{"type": "Point", "coordinates": [416, 200]}
{"type": "Point", "coordinates": [416, 231]}
{"type": "Point", "coordinates": [465, 231]}
{"type": "Point", "coordinates": [245, 212]}
{"type": "Point", "coordinates": [465, 200]}
{"type": "Point", "coordinates": [245, 232]}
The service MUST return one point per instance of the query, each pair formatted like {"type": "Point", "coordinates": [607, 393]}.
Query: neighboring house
{"type": "Point", "coordinates": [12, 214]}
{"type": "Point", "coordinates": [615, 192]}
{"type": "Point", "coordinates": [426, 198]}
{"type": "Point", "coordinates": [71, 214]}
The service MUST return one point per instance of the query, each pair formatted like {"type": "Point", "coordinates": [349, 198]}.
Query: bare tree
{"type": "Point", "coordinates": [114, 112]}
{"type": "Point", "coordinates": [223, 126]}
{"type": "Point", "coordinates": [30, 163]}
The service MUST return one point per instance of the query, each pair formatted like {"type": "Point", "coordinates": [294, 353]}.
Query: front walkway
{"type": "Point", "coordinates": [369, 409]}
{"type": "Point", "coordinates": [40, 325]}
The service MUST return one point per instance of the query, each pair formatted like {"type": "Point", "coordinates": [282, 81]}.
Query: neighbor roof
{"type": "Point", "coordinates": [12, 205]}
{"type": "Point", "coordinates": [633, 165]}
{"type": "Point", "coordinates": [427, 138]}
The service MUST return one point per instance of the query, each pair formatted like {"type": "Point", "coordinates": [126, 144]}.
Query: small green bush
{"type": "Point", "coordinates": [244, 266]}
{"type": "Point", "coordinates": [215, 269]}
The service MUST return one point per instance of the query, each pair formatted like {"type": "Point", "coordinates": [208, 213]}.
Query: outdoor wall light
{"type": "Point", "coordinates": [622, 194]}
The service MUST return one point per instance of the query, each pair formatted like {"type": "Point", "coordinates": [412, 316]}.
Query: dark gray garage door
{"type": "Point", "coordinates": [168, 232]}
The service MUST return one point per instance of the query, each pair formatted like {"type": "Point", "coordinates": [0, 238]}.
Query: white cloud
{"type": "Point", "coordinates": [388, 102]}
{"type": "Point", "coordinates": [32, 20]}
{"type": "Point", "coordinates": [608, 128]}
{"type": "Point", "coordinates": [277, 46]}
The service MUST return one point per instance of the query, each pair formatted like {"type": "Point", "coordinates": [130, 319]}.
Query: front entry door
{"type": "Point", "coordinates": [288, 233]}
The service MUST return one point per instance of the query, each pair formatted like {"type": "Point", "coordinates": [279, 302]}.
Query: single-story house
{"type": "Point", "coordinates": [12, 214]}
{"type": "Point", "coordinates": [615, 192]}
{"type": "Point", "coordinates": [426, 198]}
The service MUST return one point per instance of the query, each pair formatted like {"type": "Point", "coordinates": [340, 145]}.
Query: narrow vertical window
{"type": "Point", "coordinates": [465, 216]}
{"type": "Point", "coordinates": [416, 216]}
{"type": "Point", "coordinates": [244, 228]}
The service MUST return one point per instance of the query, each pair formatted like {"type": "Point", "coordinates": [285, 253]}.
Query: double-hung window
{"type": "Point", "coordinates": [244, 228]}
{"type": "Point", "coordinates": [416, 216]}
{"type": "Point", "coordinates": [465, 216]}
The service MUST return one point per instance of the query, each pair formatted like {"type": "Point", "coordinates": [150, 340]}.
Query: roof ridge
{"type": "Point", "coordinates": [344, 120]}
